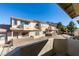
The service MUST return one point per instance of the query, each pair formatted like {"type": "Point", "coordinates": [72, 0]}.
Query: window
{"type": "Point", "coordinates": [2, 37]}
{"type": "Point", "coordinates": [15, 22]}
{"type": "Point", "coordinates": [37, 33]}
{"type": "Point", "coordinates": [27, 23]}
{"type": "Point", "coordinates": [24, 23]}
{"type": "Point", "coordinates": [44, 32]}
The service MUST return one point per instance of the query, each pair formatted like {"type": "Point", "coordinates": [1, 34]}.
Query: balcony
{"type": "Point", "coordinates": [38, 26]}
{"type": "Point", "coordinates": [20, 26]}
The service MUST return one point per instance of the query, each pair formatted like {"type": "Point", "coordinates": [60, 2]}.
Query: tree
{"type": "Point", "coordinates": [71, 27]}
{"type": "Point", "coordinates": [78, 21]}
{"type": "Point", "coordinates": [61, 27]}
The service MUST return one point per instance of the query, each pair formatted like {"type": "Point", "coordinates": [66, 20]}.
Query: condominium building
{"type": "Point", "coordinates": [21, 28]}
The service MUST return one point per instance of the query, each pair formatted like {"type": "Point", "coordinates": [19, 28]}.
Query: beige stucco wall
{"type": "Point", "coordinates": [2, 42]}
{"type": "Point", "coordinates": [44, 26]}
{"type": "Point", "coordinates": [33, 33]}
{"type": "Point", "coordinates": [18, 22]}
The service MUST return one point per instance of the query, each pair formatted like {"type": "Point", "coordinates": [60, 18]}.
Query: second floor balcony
{"type": "Point", "coordinates": [24, 27]}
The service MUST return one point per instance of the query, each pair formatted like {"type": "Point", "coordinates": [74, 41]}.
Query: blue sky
{"type": "Point", "coordinates": [34, 11]}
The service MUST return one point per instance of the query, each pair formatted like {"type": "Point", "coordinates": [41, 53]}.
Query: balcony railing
{"type": "Point", "coordinates": [20, 26]}
{"type": "Point", "coordinates": [37, 26]}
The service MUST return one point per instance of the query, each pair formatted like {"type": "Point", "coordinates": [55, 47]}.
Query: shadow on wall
{"type": "Point", "coordinates": [61, 47]}
{"type": "Point", "coordinates": [29, 50]}
{"type": "Point", "coordinates": [32, 50]}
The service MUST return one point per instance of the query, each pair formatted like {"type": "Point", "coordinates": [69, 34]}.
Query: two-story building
{"type": "Point", "coordinates": [21, 28]}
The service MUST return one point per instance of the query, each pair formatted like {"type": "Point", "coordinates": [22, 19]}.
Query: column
{"type": "Point", "coordinates": [12, 34]}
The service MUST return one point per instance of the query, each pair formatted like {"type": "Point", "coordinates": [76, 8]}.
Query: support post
{"type": "Point", "coordinates": [12, 34]}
